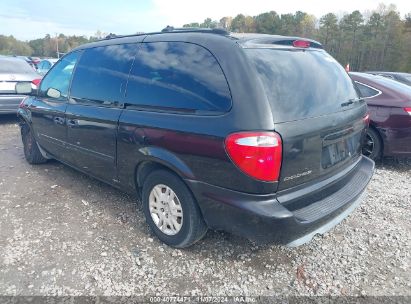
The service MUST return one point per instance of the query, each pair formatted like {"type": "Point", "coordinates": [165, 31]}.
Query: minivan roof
{"type": "Point", "coordinates": [186, 34]}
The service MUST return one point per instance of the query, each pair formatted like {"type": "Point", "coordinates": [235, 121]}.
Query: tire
{"type": "Point", "coordinates": [186, 226]}
{"type": "Point", "coordinates": [31, 150]}
{"type": "Point", "coordinates": [372, 146]}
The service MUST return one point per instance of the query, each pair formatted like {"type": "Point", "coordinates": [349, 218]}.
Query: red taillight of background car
{"type": "Point", "coordinates": [36, 82]}
{"type": "Point", "coordinates": [258, 154]}
{"type": "Point", "coordinates": [408, 110]}
{"type": "Point", "coordinates": [366, 119]}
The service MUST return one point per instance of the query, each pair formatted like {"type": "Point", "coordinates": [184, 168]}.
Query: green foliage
{"type": "Point", "coordinates": [382, 41]}
{"type": "Point", "coordinates": [379, 41]}
{"type": "Point", "coordinates": [43, 47]}
{"type": "Point", "coordinates": [268, 23]}
{"type": "Point", "coordinates": [194, 24]}
{"type": "Point", "coordinates": [11, 46]}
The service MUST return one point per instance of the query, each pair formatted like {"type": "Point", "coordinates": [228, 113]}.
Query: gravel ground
{"type": "Point", "coordinates": [63, 233]}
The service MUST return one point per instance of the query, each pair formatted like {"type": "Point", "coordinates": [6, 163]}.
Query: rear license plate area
{"type": "Point", "coordinates": [8, 87]}
{"type": "Point", "coordinates": [340, 150]}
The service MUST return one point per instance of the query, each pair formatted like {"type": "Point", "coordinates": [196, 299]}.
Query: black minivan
{"type": "Point", "coordinates": [257, 135]}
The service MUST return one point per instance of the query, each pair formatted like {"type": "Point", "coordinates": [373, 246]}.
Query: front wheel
{"type": "Point", "coordinates": [31, 150]}
{"type": "Point", "coordinates": [372, 146]}
{"type": "Point", "coordinates": [171, 211]}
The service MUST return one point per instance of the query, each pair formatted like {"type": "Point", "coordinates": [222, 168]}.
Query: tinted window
{"type": "Point", "coordinates": [101, 74]}
{"type": "Point", "coordinates": [366, 91]}
{"type": "Point", "coordinates": [59, 76]}
{"type": "Point", "coordinates": [178, 76]}
{"type": "Point", "coordinates": [14, 66]}
{"type": "Point", "coordinates": [302, 83]}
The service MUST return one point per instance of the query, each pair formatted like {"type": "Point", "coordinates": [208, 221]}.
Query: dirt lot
{"type": "Point", "coordinates": [63, 233]}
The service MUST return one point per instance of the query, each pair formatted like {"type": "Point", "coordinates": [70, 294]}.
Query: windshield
{"type": "Point", "coordinates": [17, 66]}
{"type": "Point", "coordinates": [302, 84]}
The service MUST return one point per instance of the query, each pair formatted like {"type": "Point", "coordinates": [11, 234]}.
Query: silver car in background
{"type": "Point", "coordinates": [14, 71]}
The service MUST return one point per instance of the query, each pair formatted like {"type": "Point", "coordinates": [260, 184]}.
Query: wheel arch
{"type": "Point", "coordinates": [156, 159]}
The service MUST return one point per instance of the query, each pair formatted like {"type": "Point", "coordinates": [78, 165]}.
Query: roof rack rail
{"type": "Point", "coordinates": [111, 36]}
{"type": "Point", "coordinates": [171, 29]}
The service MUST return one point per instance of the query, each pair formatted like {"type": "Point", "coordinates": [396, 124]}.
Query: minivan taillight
{"type": "Point", "coordinates": [408, 110]}
{"type": "Point", "coordinates": [258, 154]}
{"type": "Point", "coordinates": [301, 43]}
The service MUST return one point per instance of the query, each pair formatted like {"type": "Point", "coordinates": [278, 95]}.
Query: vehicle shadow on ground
{"type": "Point", "coordinates": [8, 119]}
{"type": "Point", "coordinates": [394, 164]}
{"type": "Point", "coordinates": [117, 204]}
{"type": "Point", "coordinates": [125, 207]}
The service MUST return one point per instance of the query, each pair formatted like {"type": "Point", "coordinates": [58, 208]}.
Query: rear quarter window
{"type": "Point", "coordinates": [177, 76]}
{"type": "Point", "coordinates": [367, 91]}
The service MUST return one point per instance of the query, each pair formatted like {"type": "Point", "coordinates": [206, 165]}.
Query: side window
{"type": "Point", "coordinates": [101, 74]}
{"type": "Point", "coordinates": [46, 65]}
{"type": "Point", "coordinates": [366, 91]}
{"type": "Point", "coordinates": [177, 76]}
{"type": "Point", "coordinates": [56, 84]}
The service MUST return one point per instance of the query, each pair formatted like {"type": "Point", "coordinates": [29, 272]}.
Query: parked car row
{"type": "Point", "coordinates": [32, 61]}
{"type": "Point", "coordinates": [40, 65]}
{"type": "Point", "coordinates": [45, 65]}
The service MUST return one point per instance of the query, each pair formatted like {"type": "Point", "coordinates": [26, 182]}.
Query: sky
{"type": "Point", "coordinates": [28, 19]}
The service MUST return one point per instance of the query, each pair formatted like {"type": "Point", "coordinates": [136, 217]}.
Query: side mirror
{"type": "Point", "coordinates": [23, 88]}
{"type": "Point", "coordinates": [53, 93]}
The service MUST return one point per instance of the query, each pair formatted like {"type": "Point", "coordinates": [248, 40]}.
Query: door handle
{"type": "Point", "coordinates": [59, 120]}
{"type": "Point", "coordinates": [72, 122]}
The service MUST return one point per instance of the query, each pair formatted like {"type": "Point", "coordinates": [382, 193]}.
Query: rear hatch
{"type": "Point", "coordinates": [12, 71]}
{"type": "Point", "coordinates": [316, 110]}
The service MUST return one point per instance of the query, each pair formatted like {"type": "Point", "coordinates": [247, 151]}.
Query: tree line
{"type": "Point", "coordinates": [44, 47]}
{"type": "Point", "coordinates": [372, 40]}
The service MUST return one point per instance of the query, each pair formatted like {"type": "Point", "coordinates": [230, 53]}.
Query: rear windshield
{"type": "Point", "coordinates": [302, 83]}
{"type": "Point", "coordinates": [18, 66]}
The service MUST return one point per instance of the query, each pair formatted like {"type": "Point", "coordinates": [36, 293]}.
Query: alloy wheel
{"type": "Point", "coordinates": [369, 145]}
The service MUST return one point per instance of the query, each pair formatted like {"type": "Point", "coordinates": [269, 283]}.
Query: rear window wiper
{"type": "Point", "coordinates": [351, 101]}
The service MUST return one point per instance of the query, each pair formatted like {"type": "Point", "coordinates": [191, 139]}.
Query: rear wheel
{"type": "Point", "coordinates": [372, 146]}
{"type": "Point", "coordinates": [31, 150]}
{"type": "Point", "coordinates": [171, 211]}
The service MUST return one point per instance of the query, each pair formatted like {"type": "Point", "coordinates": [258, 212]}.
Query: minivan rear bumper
{"type": "Point", "coordinates": [262, 218]}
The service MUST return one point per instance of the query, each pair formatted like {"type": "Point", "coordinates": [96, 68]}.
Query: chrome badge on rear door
{"type": "Point", "coordinates": [288, 178]}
